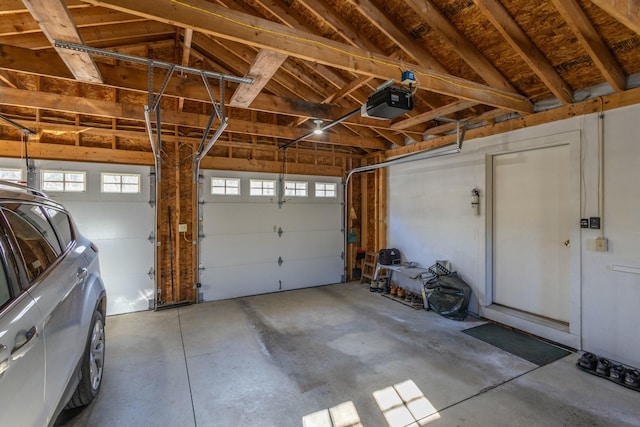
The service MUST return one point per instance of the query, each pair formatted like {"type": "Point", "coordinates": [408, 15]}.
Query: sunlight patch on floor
{"type": "Point", "coordinates": [342, 415]}
{"type": "Point", "coordinates": [405, 405]}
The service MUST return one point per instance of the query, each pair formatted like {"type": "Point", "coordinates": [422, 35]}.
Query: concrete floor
{"type": "Point", "coordinates": [341, 353]}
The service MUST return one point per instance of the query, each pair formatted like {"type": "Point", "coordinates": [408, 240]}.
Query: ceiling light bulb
{"type": "Point", "coordinates": [318, 129]}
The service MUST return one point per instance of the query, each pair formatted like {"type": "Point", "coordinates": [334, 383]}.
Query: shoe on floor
{"type": "Point", "coordinates": [617, 373]}
{"type": "Point", "coordinates": [588, 361]}
{"type": "Point", "coordinates": [632, 378]}
{"type": "Point", "coordinates": [604, 367]}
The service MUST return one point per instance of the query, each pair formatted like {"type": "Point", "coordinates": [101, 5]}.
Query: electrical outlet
{"type": "Point", "coordinates": [584, 223]}
{"type": "Point", "coordinates": [601, 244]}
{"type": "Point", "coordinates": [182, 228]}
{"type": "Point", "coordinates": [594, 222]}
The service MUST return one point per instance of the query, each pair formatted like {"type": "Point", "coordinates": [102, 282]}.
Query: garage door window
{"type": "Point", "coordinates": [64, 181]}
{"type": "Point", "coordinates": [295, 189]}
{"type": "Point", "coordinates": [120, 183]}
{"type": "Point", "coordinates": [13, 175]}
{"type": "Point", "coordinates": [260, 187]}
{"type": "Point", "coordinates": [326, 189]}
{"type": "Point", "coordinates": [225, 186]}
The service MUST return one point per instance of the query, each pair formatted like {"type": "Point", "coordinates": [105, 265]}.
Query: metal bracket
{"type": "Point", "coordinates": [459, 131]}
{"type": "Point", "coordinates": [280, 232]}
{"type": "Point", "coordinates": [280, 261]}
{"type": "Point", "coordinates": [151, 273]}
{"type": "Point", "coordinates": [152, 237]}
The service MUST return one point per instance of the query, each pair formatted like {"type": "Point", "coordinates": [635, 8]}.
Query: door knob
{"type": "Point", "coordinates": [567, 243]}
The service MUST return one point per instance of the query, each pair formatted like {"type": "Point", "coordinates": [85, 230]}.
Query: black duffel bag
{"type": "Point", "coordinates": [448, 295]}
{"type": "Point", "coordinates": [389, 256]}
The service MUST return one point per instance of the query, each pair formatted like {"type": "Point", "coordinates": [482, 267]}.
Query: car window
{"type": "Point", "coordinates": [37, 251]}
{"type": "Point", "coordinates": [5, 294]}
{"type": "Point", "coordinates": [62, 224]}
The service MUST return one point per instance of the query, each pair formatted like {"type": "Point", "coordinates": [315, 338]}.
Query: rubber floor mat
{"type": "Point", "coordinates": [518, 344]}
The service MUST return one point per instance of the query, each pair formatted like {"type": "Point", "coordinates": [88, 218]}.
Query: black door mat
{"type": "Point", "coordinates": [518, 344]}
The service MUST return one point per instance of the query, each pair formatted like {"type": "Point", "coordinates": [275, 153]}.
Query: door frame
{"type": "Point", "coordinates": [571, 335]}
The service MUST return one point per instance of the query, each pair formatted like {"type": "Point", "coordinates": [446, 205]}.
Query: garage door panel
{"type": "Point", "coordinates": [310, 216]}
{"type": "Point", "coordinates": [128, 292]}
{"type": "Point", "coordinates": [239, 280]}
{"type": "Point", "coordinates": [307, 244]}
{"type": "Point", "coordinates": [240, 218]}
{"type": "Point", "coordinates": [124, 256]}
{"type": "Point", "coordinates": [120, 225]}
{"type": "Point", "coordinates": [234, 249]}
{"type": "Point", "coordinates": [241, 249]}
{"type": "Point", "coordinates": [102, 220]}
{"type": "Point", "coordinates": [302, 273]}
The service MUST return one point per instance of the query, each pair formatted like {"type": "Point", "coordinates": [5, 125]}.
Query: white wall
{"type": "Point", "coordinates": [430, 218]}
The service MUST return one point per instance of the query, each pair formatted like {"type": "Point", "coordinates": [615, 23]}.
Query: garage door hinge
{"type": "Point", "coordinates": [280, 261]}
{"type": "Point", "coordinates": [151, 273]}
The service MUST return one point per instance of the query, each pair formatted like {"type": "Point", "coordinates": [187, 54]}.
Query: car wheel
{"type": "Point", "coordinates": [92, 365]}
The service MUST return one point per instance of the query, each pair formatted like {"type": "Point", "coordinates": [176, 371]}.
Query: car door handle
{"type": "Point", "coordinates": [24, 341]}
{"type": "Point", "coordinates": [82, 274]}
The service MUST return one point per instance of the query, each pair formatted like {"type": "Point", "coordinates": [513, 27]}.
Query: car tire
{"type": "Point", "coordinates": [92, 365]}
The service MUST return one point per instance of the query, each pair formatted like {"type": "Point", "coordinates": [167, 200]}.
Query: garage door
{"type": "Point", "coordinates": [118, 223]}
{"type": "Point", "coordinates": [253, 245]}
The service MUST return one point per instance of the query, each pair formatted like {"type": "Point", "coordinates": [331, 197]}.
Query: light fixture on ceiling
{"type": "Point", "coordinates": [318, 130]}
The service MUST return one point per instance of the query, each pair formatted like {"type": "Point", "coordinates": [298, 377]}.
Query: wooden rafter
{"type": "Point", "coordinates": [528, 51]}
{"type": "Point", "coordinates": [459, 43]}
{"type": "Point", "coordinates": [105, 35]}
{"type": "Point", "coordinates": [264, 66]}
{"type": "Point", "coordinates": [57, 24]}
{"type": "Point", "coordinates": [400, 37]}
{"type": "Point", "coordinates": [625, 11]}
{"type": "Point", "coordinates": [78, 105]}
{"type": "Point", "coordinates": [221, 22]}
{"type": "Point", "coordinates": [592, 42]}
{"type": "Point", "coordinates": [432, 114]}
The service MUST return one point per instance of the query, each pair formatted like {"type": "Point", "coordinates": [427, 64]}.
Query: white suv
{"type": "Point", "coordinates": [52, 310]}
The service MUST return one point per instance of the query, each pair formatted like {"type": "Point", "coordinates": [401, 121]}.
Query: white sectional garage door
{"type": "Point", "coordinates": [119, 224]}
{"type": "Point", "coordinates": [242, 246]}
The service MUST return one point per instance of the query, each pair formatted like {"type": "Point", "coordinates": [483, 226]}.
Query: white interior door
{"type": "Point", "coordinates": [531, 225]}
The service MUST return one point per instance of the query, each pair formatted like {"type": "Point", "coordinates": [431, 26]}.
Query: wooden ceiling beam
{"type": "Point", "coordinates": [10, 7]}
{"type": "Point", "coordinates": [432, 15]}
{"type": "Point", "coordinates": [288, 83]}
{"type": "Point", "coordinates": [98, 36]}
{"type": "Point", "coordinates": [57, 24]}
{"type": "Point", "coordinates": [432, 114]}
{"type": "Point", "coordinates": [400, 37]}
{"type": "Point", "coordinates": [50, 65]}
{"type": "Point", "coordinates": [592, 42]}
{"type": "Point", "coordinates": [8, 80]}
{"type": "Point", "coordinates": [222, 22]}
{"type": "Point", "coordinates": [264, 66]}
{"type": "Point", "coordinates": [342, 27]}
{"type": "Point", "coordinates": [625, 11]}
{"type": "Point", "coordinates": [499, 16]}
{"type": "Point", "coordinates": [23, 23]}
{"type": "Point", "coordinates": [288, 19]}
{"type": "Point", "coordinates": [186, 54]}
{"type": "Point", "coordinates": [79, 105]}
